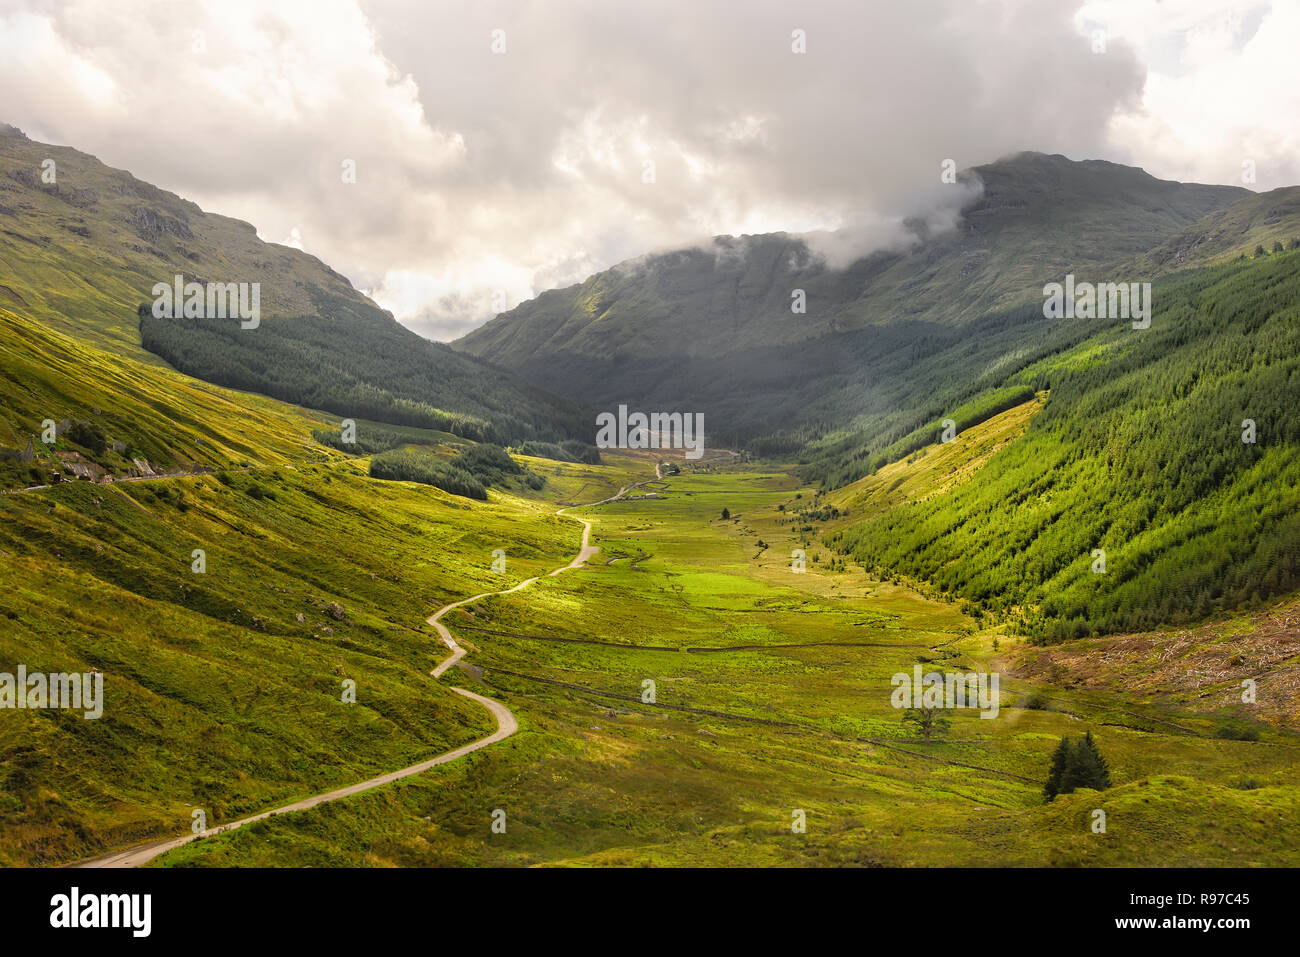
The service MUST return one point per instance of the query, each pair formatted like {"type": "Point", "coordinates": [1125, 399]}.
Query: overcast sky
{"type": "Point", "coordinates": [485, 177]}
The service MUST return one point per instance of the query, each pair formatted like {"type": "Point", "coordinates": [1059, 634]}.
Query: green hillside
{"type": "Point", "coordinates": [1264, 220]}
{"type": "Point", "coordinates": [1139, 452]}
{"type": "Point", "coordinates": [147, 418]}
{"type": "Point", "coordinates": [223, 690]}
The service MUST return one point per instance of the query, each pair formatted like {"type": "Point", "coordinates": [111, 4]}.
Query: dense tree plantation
{"type": "Point", "coordinates": [355, 361]}
{"type": "Point", "coordinates": [1139, 453]}
{"type": "Point", "coordinates": [370, 438]}
{"type": "Point", "coordinates": [903, 388]}
{"type": "Point", "coordinates": [570, 450]}
{"type": "Point", "coordinates": [404, 465]}
{"type": "Point", "coordinates": [470, 473]}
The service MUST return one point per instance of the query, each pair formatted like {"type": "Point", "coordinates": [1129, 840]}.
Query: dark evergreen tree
{"type": "Point", "coordinates": [1084, 767]}
{"type": "Point", "coordinates": [1100, 771]}
{"type": "Point", "coordinates": [1059, 758]}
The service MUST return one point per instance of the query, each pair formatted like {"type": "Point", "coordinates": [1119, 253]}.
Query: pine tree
{"type": "Point", "coordinates": [1084, 768]}
{"type": "Point", "coordinates": [1059, 759]}
{"type": "Point", "coordinates": [1100, 770]}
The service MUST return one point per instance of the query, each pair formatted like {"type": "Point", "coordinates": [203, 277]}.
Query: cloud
{"type": "Point", "coordinates": [603, 130]}
{"type": "Point", "coordinates": [1220, 90]}
{"type": "Point", "coordinates": [931, 211]}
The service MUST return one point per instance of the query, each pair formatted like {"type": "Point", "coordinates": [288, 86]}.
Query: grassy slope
{"type": "Point", "coordinates": [138, 235]}
{"type": "Point", "coordinates": [937, 468]}
{"type": "Point", "coordinates": [1263, 219]}
{"type": "Point", "coordinates": [172, 422]}
{"type": "Point", "coordinates": [217, 696]}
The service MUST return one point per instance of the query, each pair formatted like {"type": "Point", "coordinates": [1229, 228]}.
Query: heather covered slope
{"type": "Point", "coordinates": [223, 688]}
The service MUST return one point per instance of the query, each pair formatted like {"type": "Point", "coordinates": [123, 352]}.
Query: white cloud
{"type": "Point", "coordinates": [58, 84]}
{"type": "Point", "coordinates": [1220, 89]}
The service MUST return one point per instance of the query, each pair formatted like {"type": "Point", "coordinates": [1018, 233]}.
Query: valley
{"type": "Point", "coordinates": [359, 599]}
{"type": "Point", "coordinates": [771, 686]}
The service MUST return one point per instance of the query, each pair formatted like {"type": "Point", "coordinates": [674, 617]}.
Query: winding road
{"type": "Point", "coordinates": [143, 853]}
{"type": "Point", "coordinates": [505, 720]}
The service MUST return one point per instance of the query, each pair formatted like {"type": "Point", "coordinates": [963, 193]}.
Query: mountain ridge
{"type": "Point", "coordinates": [1037, 217]}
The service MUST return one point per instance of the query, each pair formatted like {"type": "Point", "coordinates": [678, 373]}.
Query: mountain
{"type": "Point", "coordinates": [222, 681]}
{"type": "Point", "coordinates": [82, 253]}
{"type": "Point", "coordinates": [711, 328]}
